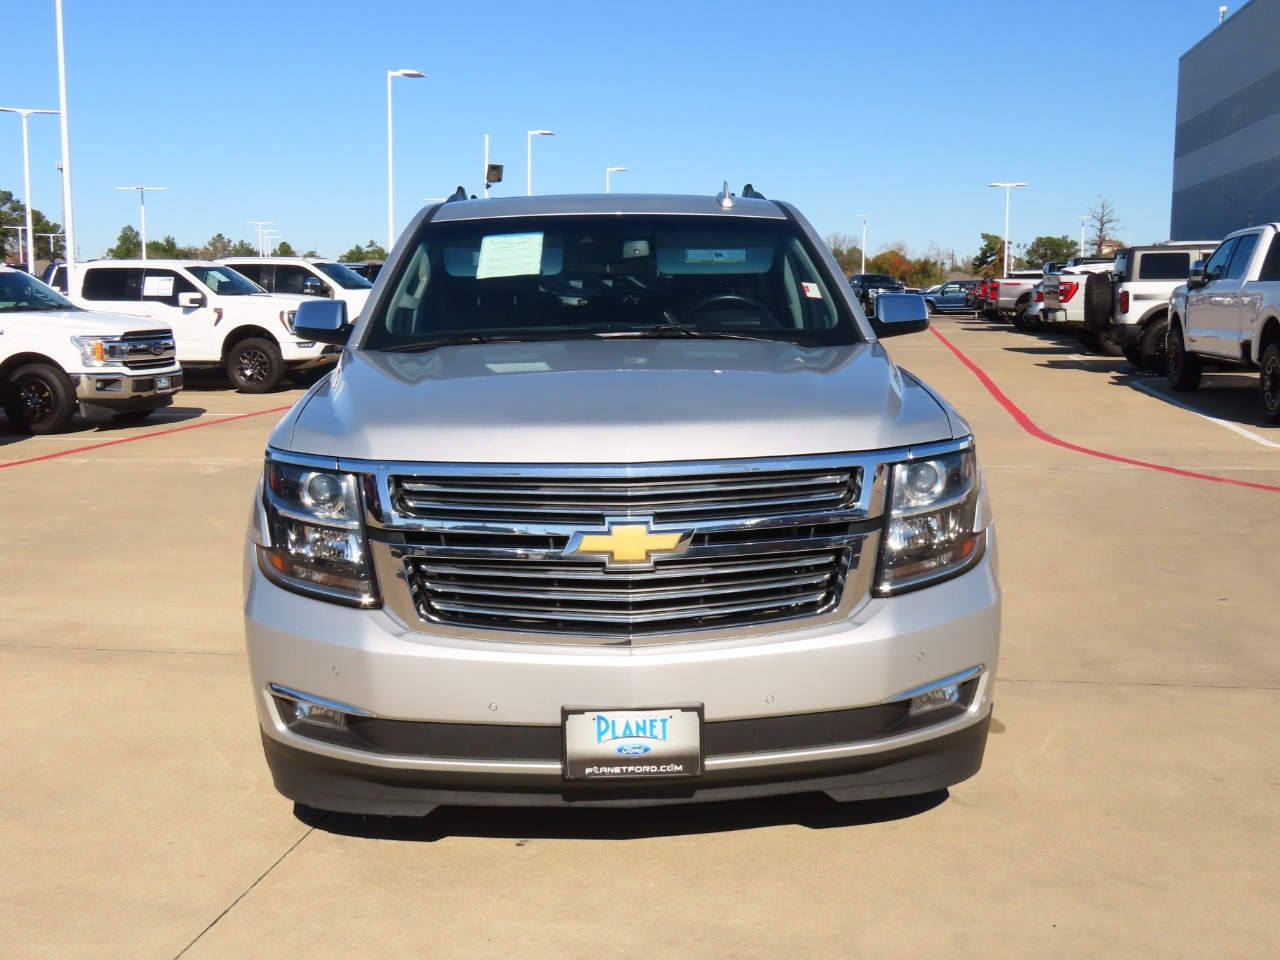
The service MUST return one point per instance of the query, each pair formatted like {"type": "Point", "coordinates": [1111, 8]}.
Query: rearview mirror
{"type": "Point", "coordinates": [899, 313]}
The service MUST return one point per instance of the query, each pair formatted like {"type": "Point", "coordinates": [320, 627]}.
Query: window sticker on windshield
{"type": "Point", "coordinates": [532, 366]}
{"type": "Point", "coordinates": [811, 290]}
{"type": "Point", "coordinates": [157, 287]}
{"type": "Point", "coordinates": [510, 255]}
{"type": "Point", "coordinates": [715, 256]}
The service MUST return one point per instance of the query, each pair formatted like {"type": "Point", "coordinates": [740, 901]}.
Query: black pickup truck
{"type": "Point", "coordinates": [868, 286]}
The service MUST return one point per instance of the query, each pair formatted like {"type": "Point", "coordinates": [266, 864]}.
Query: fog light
{"type": "Point", "coordinates": [947, 696]}
{"type": "Point", "coordinates": [320, 715]}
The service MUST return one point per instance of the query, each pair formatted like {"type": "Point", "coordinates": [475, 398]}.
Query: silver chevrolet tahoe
{"type": "Point", "coordinates": [613, 501]}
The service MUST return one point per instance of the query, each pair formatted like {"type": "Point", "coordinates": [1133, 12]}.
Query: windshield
{"type": "Point", "coordinates": [225, 282]}
{"type": "Point", "coordinates": [583, 276]}
{"type": "Point", "coordinates": [344, 276]}
{"type": "Point", "coordinates": [18, 292]}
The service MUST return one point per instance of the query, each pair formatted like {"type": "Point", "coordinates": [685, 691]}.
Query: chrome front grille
{"type": "Point", "coordinates": [666, 499]}
{"type": "Point", "coordinates": [678, 596]}
{"type": "Point", "coordinates": [148, 350]}
{"type": "Point", "coordinates": [487, 551]}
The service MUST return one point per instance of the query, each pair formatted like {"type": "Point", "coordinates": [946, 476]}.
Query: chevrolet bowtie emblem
{"type": "Point", "coordinates": [628, 543]}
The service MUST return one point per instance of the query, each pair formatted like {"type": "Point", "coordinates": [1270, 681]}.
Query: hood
{"type": "Point", "coordinates": [613, 401]}
{"type": "Point", "coordinates": [78, 322]}
{"type": "Point", "coordinates": [355, 301]}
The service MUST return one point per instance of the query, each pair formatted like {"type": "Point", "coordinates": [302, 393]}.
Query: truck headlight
{"type": "Point", "coordinates": [934, 527]}
{"type": "Point", "coordinates": [315, 541]}
{"type": "Point", "coordinates": [287, 317]}
{"type": "Point", "coordinates": [100, 351]}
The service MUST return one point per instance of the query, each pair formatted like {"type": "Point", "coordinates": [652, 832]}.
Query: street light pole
{"type": "Point", "coordinates": [142, 204]}
{"type": "Point", "coordinates": [68, 214]}
{"type": "Point", "coordinates": [1008, 188]}
{"type": "Point", "coordinates": [260, 224]}
{"type": "Point", "coordinates": [863, 268]}
{"type": "Point", "coordinates": [529, 161]}
{"type": "Point", "coordinates": [1083, 218]}
{"type": "Point", "coordinates": [609, 170]}
{"type": "Point", "coordinates": [391, 172]}
{"type": "Point", "coordinates": [26, 178]}
{"type": "Point", "coordinates": [17, 232]}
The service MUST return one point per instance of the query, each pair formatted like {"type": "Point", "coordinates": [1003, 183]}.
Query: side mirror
{"type": "Point", "coordinates": [1196, 279]}
{"type": "Point", "coordinates": [312, 287]}
{"type": "Point", "coordinates": [190, 300]}
{"type": "Point", "coordinates": [324, 321]}
{"type": "Point", "coordinates": [899, 313]}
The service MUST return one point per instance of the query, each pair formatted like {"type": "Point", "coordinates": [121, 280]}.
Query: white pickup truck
{"type": "Point", "coordinates": [1064, 300]}
{"type": "Point", "coordinates": [1228, 312]}
{"type": "Point", "coordinates": [220, 318]}
{"type": "Point", "coordinates": [55, 358]}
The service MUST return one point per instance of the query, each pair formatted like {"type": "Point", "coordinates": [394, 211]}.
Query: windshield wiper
{"type": "Point", "coordinates": [678, 330]}
{"type": "Point", "coordinates": [456, 340]}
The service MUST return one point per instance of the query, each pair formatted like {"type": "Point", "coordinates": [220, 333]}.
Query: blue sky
{"type": "Point", "coordinates": [276, 110]}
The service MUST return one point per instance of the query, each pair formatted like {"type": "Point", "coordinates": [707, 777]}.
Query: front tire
{"type": "Point", "coordinates": [39, 399]}
{"type": "Point", "coordinates": [1269, 384]}
{"type": "Point", "coordinates": [255, 365]}
{"type": "Point", "coordinates": [1183, 369]}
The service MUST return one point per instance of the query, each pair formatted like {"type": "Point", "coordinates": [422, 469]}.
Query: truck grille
{"type": "Point", "coordinates": [667, 500]}
{"type": "Point", "coordinates": [767, 542]}
{"type": "Point", "coordinates": [149, 350]}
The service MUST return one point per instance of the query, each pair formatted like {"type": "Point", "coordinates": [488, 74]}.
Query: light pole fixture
{"type": "Point", "coordinates": [863, 268]}
{"type": "Point", "coordinates": [1083, 219]}
{"type": "Point", "coordinates": [529, 162]}
{"type": "Point", "coordinates": [391, 173]}
{"type": "Point", "coordinates": [609, 170]}
{"type": "Point", "coordinates": [1008, 188]}
{"type": "Point", "coordinates": [142, 205]}
{"type": "Point", "coordinates": [26, 175]}
{"type": "Point", "coordinates": [260, 225]}
{"type": "Point", "coordinates": [68, 209]}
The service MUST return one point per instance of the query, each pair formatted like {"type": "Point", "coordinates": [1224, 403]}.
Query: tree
{"type": "Point", "coordinates": [243, 248]}
{"type": "Point", "coordinates": [13, 213]}
{"type": "Point", "coordinates": [370, 251]}
{"type": "Point", "coordinates": [283, 249]}
{"type": "Point", "coordinates": [312, 253]}
{"type": "Point", "coordinates": [1104, 225]}
{"type": "Point", "coordinates": [168, 249]}
{"type": "Point", "coordinates": [128, 245]}
{"type": "Point", "coordinates": [1050, 249]}
{"type": "Point", "coordinates": [990, 257]}
{"type": "Point", "coordinates": [217, 247]}
{"type": "Point", "coordinates": [846, 251]}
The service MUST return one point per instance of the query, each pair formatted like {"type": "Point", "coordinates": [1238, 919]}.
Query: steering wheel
{"type": "Point", "coordinates": [715, 298]}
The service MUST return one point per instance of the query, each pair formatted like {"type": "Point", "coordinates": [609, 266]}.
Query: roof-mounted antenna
{"type": "Point", "coordinates": [725, 197]}
{"type": "Point", "coordinates": [458, 194]}
{"type": "Point", "coordinates": [750, 191]}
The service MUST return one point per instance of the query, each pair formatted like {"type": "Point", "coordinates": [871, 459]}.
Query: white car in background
{"type": "Point", "coordinates": [219, 317]}
{"type": "Point", "coordinates": [299, 276]}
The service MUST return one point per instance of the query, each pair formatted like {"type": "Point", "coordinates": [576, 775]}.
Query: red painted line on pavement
{"type": "Point", "coordinates": [1030, 426]}
{"type": "Point", "coordinates": [144, 436]}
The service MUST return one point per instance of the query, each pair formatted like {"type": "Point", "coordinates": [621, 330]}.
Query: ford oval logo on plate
{"type": "Point", "coordinates": [632, 749]}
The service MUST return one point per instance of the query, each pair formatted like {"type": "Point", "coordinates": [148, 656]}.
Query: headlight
{"type": "Point", "coordinates": [100, 351]}
{"type": "Point", "coordinates": [316, 544]}
{"type": "Point", "coordinates": [934, 528]}
{"type": "Point", "coordinates": [287, 317]}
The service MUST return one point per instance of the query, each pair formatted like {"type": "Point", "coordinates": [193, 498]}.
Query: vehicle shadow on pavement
{"type": "Point", "coordinates": [82, 427]}
{"type": "Point", "coordinates": [813, 811]}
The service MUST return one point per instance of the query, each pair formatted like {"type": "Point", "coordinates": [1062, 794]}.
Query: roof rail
{"type": "Point", "coordinates": [750, 191]}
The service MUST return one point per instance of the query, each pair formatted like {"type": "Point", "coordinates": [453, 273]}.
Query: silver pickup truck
{"type": "Point", "coordinates": [618, 501]}
{"type": "Point", "coordinates": [1228, 312]}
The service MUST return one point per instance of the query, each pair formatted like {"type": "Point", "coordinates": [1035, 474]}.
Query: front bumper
{"type": "Point", "coordinates": [812, 698]}
{"type": "Point", "coordinates": [111, 387]}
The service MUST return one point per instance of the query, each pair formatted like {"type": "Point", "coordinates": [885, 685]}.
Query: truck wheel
{"type": "Point", "coordinates": [39, 399]}
{"type": "Point", "coordinates": [929, 305]}
{"type": "Point", "coordinates": [1151, 346]}
{"type": "Point", "coordinates": [255, 365]}
{"type": "Point", "coordinates": [1100, 343]}
{"type": "Point", "coordinates": [1183, 369]}
{"type": "Point", "coordinates": [1097, 302]}
{"type": "Point", "coordinates": [1269, 384]}
{"type": "Point", "coordinates": [1133, 353]}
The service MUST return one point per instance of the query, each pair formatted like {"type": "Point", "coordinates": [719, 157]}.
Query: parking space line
{"type": "Point", "coordinates": [1233, 427]}
{"type": "Point", "coordinates": [1031, 427]}
{"type": "Point", "coordinates": [144, 436]}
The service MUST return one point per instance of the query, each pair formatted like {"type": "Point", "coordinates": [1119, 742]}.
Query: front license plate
{"type": "Point", "coordinates": [163, 384]}
{"type": "Point", "coordinates": [630, 744]}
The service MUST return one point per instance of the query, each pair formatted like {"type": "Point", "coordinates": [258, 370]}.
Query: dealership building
{"type": "Point", "coordinates": [1226, 155]}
